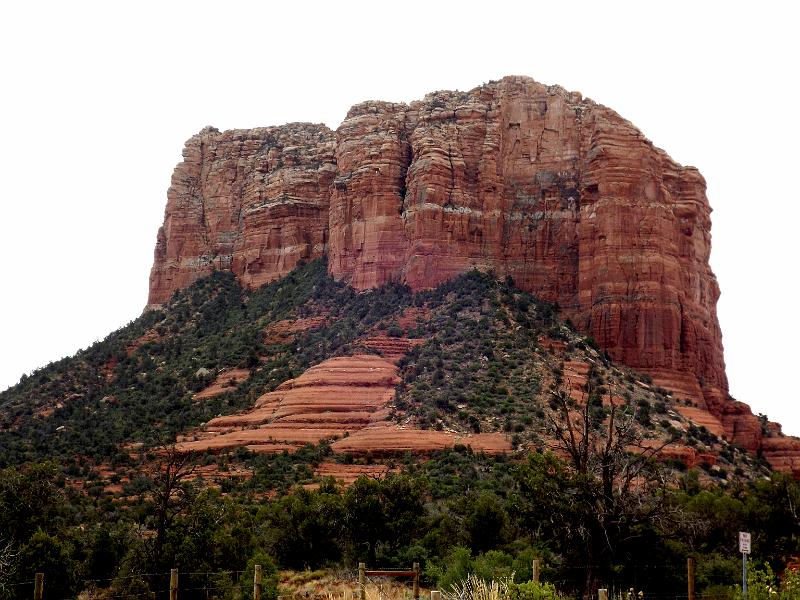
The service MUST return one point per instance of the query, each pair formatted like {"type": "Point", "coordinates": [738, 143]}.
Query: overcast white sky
{"type": "Point", "coordinates": [97, 99]}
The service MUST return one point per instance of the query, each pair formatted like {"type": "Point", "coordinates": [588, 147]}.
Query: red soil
{"type": "Point", "coordinates": [151, 335]}
{"type": "Point", "coordinates": [391, 348]}
{"type": "Point", "coordinates": [575, 377]}
{"type": "Point", "coordinates": [281, 331]}
{"type": "Point", "coordinates": [226, 381]}
{"type": "Point", "coordinates": [552, 346]}
{"type": "Point", "coordinates": [689, 456]}
{"type": "Point", "coordinates": [390, 438]}
{"type": "Point", "coordinates": [412, 317]}
{"type": "Point", "coordinates": [334, 397]}
{"type": "Point", "coordinates": [703, 418]}
{"type": "Point", "coordinates": [347, 474]}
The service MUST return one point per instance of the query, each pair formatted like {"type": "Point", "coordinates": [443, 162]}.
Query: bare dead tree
{"type": "Point", "coordinates": [170, 494]}
{"type": "Point", "coordinates": [608, 444]}
{"type": "Point", "coordinates": [8, 563]}
{"type": "Point", "coordinates": [605, 445]}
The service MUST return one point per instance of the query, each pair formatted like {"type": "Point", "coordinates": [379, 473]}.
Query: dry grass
{"type": "Point", "coordinates": [475, 588]}
{"type": "Point", "coordinates": [330, 585]}
{"type": "Point", "coordinates": [389, 590]}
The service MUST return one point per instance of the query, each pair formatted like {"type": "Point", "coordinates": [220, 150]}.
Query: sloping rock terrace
{"type": "Point", "coordinates": [345, 398]}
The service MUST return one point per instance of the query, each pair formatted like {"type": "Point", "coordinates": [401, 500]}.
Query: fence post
{"type": "Point", "coordinates": [436, 595]}
{"type": "Point", "coordinates": [690, 577]}
{"type": "Point", "coordinates": [38, 586]}
{"type": "Point", "coordinates": [257, 583]}
{"type": "Point", "coordinates": [535, 570]}
{"type": "Point", "coordinates": [173, 584]}
{"type": "Point", "coordinates": [416, 580]}
{"type": "Point", "coordinates": [362, 592]}
{"type": "Point", "coordinates": [602, 594]}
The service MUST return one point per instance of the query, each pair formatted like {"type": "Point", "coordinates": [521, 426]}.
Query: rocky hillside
{"type": "Point", "coordinates": [370, 376]}
{"type": "Point", "coordinates": [515, 177]}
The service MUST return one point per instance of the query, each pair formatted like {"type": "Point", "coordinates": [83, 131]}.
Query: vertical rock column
{"type": "Point", "coordinates": [200, 220]}
{"type": "Point", "coordinates": [646, 293]}
{"type": "Point", "coordinates": [284, 217]}
{"type": "Point", "coordinates": [367, 240]}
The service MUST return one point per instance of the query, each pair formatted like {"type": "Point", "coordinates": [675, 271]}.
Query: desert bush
{"type": "Point", "coordinates": [762, 584]}
{"type": "Point", "coordinates": [533, 590]}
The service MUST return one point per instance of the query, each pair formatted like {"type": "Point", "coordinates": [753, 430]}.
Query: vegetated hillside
{"type": "Point", "coordinates": [482, 356]}
{"type": "Point", "coordinates": [485, 358]}
{"type": "Point", "coordinates": [138, 384]}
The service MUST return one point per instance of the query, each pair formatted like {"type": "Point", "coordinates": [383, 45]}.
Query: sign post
{"type": "Point", "coordinates": [744, 548]}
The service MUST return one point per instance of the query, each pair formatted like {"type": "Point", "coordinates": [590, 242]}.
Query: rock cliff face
{"type": "Point", "coordinates": [527, 180]}
{"type": "Point", "coordinates": [251, 201]}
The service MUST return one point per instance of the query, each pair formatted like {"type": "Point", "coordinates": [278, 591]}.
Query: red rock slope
{"type": "Point", "coordinates": [345, 398]}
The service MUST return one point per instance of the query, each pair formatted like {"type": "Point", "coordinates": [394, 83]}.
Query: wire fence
{"type": "Point", "coordinates": [191, 585]}
{"type": "Point", "coordinates": [639, 582]}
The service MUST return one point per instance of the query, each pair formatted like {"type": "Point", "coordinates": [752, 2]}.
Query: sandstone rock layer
{"type": "Point", "coordinates": [346, 398]}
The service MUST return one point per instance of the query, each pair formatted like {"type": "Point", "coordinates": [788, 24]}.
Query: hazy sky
{"type": "Point", "coordinates": [97, 99]}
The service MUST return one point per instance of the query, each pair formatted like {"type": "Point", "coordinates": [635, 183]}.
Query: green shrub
{"type": "Point", "coordinates": [457, 567]}
{"type": "Point", "coordinates": [763, 585]}
{"type": "Point", "coordinates": [394, 331]}
{"type": "Point", "coordinates": [720, 592]}
{"type": "Point", "coordinates": [493, 565]}
{"type": "Point", "coordinates": [269, 577]}
{"type": "Point", "coordinates": [532, 590]}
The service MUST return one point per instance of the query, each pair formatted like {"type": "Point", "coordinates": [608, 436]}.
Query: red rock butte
{"type": "Point", "coordinates": [524, 179]}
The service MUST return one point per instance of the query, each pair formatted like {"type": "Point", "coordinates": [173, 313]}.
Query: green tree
{"type": "Point", "coordinates": [487, 523]}
{"type": "Point", "coordinates": [387, 512]}
{"type": "Point", "coordinates": [107, 546]}
{"type": "Point", "coordinates": [269, 577]}
{"type": "Point", "coordinates": [44, 553]}
{"type": "Point", "coordinates": [455, 568]}
{"type": "Point", "coordinates": [211, 534]}
{"type": "Point", "coordinates": [303, 528]}
{"type": "Point", "coordinates": [170, 496]}
{"type": "Point", "coordinates": [29, 499]}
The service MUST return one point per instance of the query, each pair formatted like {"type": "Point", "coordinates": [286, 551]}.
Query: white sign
{"type": "Point", "coordinates": [744, 542]}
